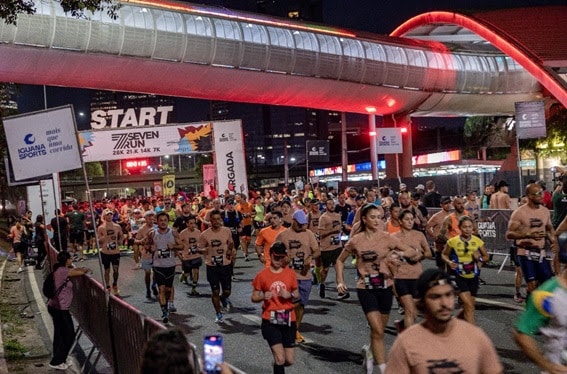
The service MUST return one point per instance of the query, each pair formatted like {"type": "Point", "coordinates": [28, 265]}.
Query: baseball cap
{"type": "Point", "coordinates": [420, 187]}
{"type": "Point", "coordinates": [278, 249]}
{"type": "Point", "coordinates": [108, 211]}
{"type": "Point", "coordinates": [149, 213]}
{"type": "Point", "coordinates": [300, 217]}
{"type": "Point", "coordinates": [403, 185]}
{"type": "Point", "coordinates": [445, 199]}
{"type": "Point", "coordinates": [136, 210]}
{"type": "Point", "coordinates": [230, 202]}
{"type": "Point", "coordinates": [429, 279]}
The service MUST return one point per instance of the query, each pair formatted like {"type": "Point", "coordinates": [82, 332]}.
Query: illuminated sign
{"type": "Point", "coordinates": [120, 118]}
{"type": "Point", "coordinates": [435, 158]}
{"type": "Point", "coordinates": [136, 164]}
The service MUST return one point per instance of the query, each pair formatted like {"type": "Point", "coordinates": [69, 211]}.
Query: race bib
{"type": "Point", "coordinates": [335, 240]}
{"type": "Point", "coordinates": [280, 317]}
{"type": "Point", "coordinates": [111, 246]}
{"type": "Point", "coordinates": [217, 260]}
{"type": "Point", "coordinates": [193, 249]}
{"type": "Point", "coordinates": [164, 253]}
{"type": "Point", "coordinates": [467, 268]}
{"type": "Point", "coordinates": [373, 281]}
{"type": "Point", "coordinates": [297, 263]}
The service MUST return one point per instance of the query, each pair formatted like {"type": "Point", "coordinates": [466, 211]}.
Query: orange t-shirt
{"type": "Point", "coordinates": [246, 209]}
{"type": "Point", "coordinates": [266, 237]}
{"type": "Point", "coordinates": [266, 280]}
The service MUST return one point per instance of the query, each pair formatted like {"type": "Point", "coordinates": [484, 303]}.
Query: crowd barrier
{"type": "Point", "coordinates": [117, 330]}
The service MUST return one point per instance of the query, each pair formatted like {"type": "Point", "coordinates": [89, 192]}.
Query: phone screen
{"type": "Point", "coordinates": [213, 353]}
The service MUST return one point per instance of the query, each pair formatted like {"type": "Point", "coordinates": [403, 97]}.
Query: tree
{"type": "Point", "coordinates": [10, 9]}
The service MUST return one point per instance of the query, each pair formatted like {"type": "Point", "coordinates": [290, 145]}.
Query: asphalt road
{"type": "Point", "coordinates": [335, 330]}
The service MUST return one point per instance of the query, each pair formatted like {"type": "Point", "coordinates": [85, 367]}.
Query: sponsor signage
{"type": "Point", "coordinates": [145, 141]}
{"type": "Point", "coordinates": [42, 142]}
{"type": "Point", "coordinates": [209, 173]}
{"type": "Point", "coordinates": [530, 120]}
{"type": "Point", "coordinates": [168, 184]}
{"type": "Point", "coordinates": [317, 150]}
{"type": "Point", "coordinates": [229, 157]}
{"type": "Point", "coordinates": [389, 140]}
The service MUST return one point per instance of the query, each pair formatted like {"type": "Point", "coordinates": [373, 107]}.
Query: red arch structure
{"type": "Point", "coordinates": [535, 37]}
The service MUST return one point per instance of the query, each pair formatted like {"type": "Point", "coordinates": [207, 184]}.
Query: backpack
{"type": "Point", "coordinates": [48, 288]}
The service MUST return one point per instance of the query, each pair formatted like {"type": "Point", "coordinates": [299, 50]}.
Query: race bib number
{"type": "Point", "coordinates": [111, 246]}
{"type": "Point", "coordinates": [280, 317]}
{"type": "Point", "coordinates": [373, 281]}
{"type": "Point", "coordinates": [217, 260]}
{"type": "Point", "coordinates": [297, 263]}
{"type": "Point", "coordinates": [335, 240]}
{"type": "Point", "coordinates": [193, 249]}
{"type": "Point", "coordinates": [233, 230]}
{"type": "Point", "coordinates": [164, 253]}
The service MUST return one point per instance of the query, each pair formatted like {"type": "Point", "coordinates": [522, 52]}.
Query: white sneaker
{"type": "Point", "coordinates": [367, 359]}
{"type": "Point", "coordinates": [20, 270]}
{"type": "Point", "coordinates": [61, 366]}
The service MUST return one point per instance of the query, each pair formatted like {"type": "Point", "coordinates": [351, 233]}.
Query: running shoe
{"type": "Point", "coordinates": [518, 298]}
{"type": "Point", "coordinates": [401, 310]}
{"type": "Point", "coordinates": [171, 307]}
{"type": "Point", "coordinates": [367, 359]}
{"type": "Point", "coordinates": [481, 281]}
{"type": "Point", "coordinates": [227, 304]}
{"type": "Point", "coordinates": [223, 302]}
{"type": "Point", "coordinates": [299, 338]}
{"type": "Point", "coordinates": [322, 290]}
{"type": "Point", "coordinates": [246, 258]}
{"type": "Point", "coordinates": [194, 292]}
{"type": "Point", "coordinates": [343, 296]}
{"type": "Point", "coordinates": [115, 290]}
{"type": "Point", "coordinates": [182, 277]}
{"type": "Point", "coordinates": [400, 325]}
{"type": "Point", "coordinates": [165, 316]}
{"type": "Point", "coordinates": [82, 259]}
{"type": "Point", "coordinates": [219, 318]}
{"type": "Point", "coordinates": [148, 295]}
{"type": "Point", "coordinates": [155, 290]}
{"type": "Point", "coordinates": [20, 270]}
{"type": "Point", "coordinates": [61, 366]}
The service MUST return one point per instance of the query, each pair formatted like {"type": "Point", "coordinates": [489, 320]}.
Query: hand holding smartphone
{"type": "Point", "coordinates": [213, 353]}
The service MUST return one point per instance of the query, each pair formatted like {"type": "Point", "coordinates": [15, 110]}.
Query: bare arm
{"type": "Point", "coordinates": [529, 346]}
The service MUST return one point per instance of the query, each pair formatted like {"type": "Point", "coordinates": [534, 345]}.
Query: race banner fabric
{"type": "Point", "coordinates": [229, 157]}
{"type": "Point", "coordinates": [152, 141]}
{"type": "Point", "coordinates": [158, 188]}
{"type": "Point", "coordinates": [209, 171]}
{"type": "Point", "coordinates": [42, 142]}
{"type": "Point", "coordinates": [168, 184]}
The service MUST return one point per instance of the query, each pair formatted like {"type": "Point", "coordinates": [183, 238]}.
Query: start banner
{"type": "Point", "coordinates": [103, 145]}
{"type": "Point", "coordinates": [229, 157]}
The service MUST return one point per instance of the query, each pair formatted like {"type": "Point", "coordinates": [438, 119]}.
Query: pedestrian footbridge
{"type": "Point", "coordinates": [437, 64]}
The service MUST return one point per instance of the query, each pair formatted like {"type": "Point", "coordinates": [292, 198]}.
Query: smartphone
{"type": "Point", "coordinates": [213, 353]}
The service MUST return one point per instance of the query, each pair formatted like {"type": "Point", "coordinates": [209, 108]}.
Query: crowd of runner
{"type": "Point", "coordinates": [307, 233]}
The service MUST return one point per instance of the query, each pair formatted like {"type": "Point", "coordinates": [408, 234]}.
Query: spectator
{"type": "Point", "coordinates": [432, 198]}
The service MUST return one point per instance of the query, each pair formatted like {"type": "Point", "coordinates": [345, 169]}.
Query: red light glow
{"type": "Point", "coordinates": [136, 164]}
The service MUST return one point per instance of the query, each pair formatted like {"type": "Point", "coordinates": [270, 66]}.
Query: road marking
{"type": "Point", "coordinates": [500, 304]}
{"type": "Point", "coordinates": [3, 364]}
{"type": "Point", "coordinates": [41, 304]}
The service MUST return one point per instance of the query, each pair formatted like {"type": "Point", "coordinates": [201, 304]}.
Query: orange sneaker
{"type": "Point", "coordinates": [299, 338]}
